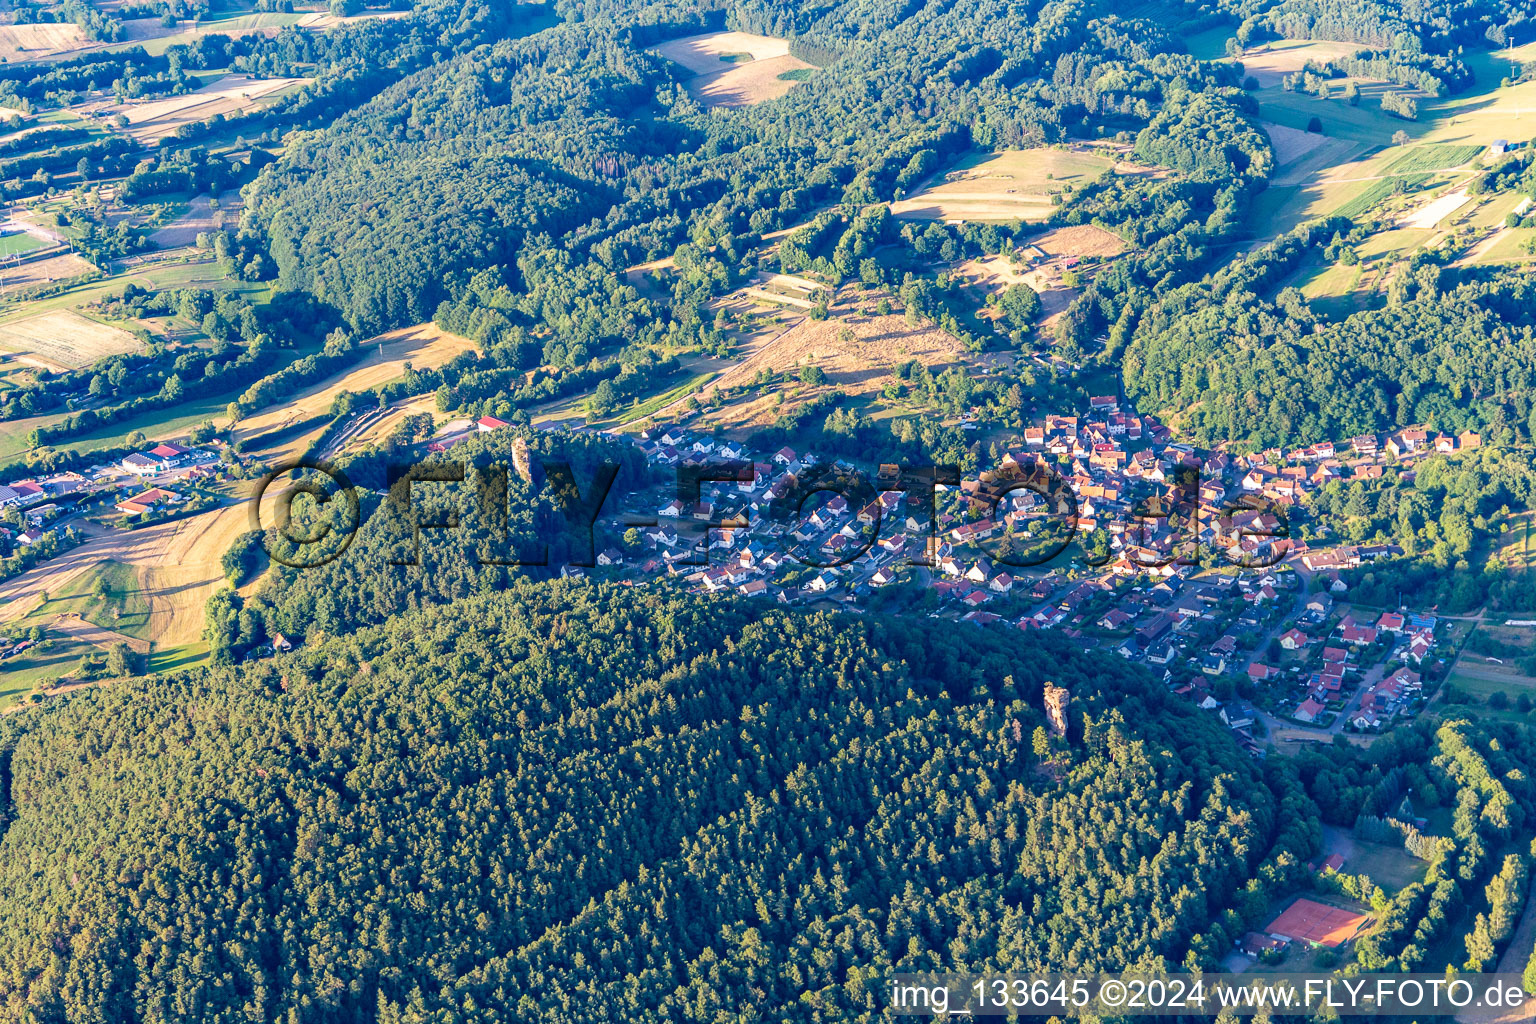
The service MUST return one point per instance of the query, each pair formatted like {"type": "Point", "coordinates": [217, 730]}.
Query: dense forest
{"type": "Point", "coordinates": [610, 803]}
{"type": "Point", "coordinates": [1242, 362]}
{"type": "Point", "coordinates": [480, 792]}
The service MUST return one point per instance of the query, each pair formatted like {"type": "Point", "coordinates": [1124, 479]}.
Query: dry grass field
{"type": "Point", "coordinates": [178, 564]}
{"type": "Point", "coordinates": [76, 628]}
{"type": "Point", "coordinates": [63, 340]}
{"type": "Point", "coordinates": [1290, 144]}
{"type": "Point", "coordinates": [1080, 240]}
{"type": "Point", "coordinates": [232, 94]}
{"type": "Point", "coordinates": [40, 41]}
{"type": "Point", "coordinates": [421, 346]}
{"type": "Point", "coordinates": [1012, 185]}
{"type": "Point", "coordinates": [734, 69]}
{"type": "Point", "coordinates": [1273, 61]}
{"type": "Point", "coordinates": [858, 365]}
{"type": "Point", "coordinates": [746, 84]}
{"type": "Point", "coordinates": [703, 54]}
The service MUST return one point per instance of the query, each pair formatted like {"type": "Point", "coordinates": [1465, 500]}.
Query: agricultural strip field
{"type": "Point", "coordinates": [229, 95]}
{"type": "Point", "coordinates": [63, 340]}
{"type": "Point", "coordinates": [1431, 158]}
{"type": "Point", "coordinates": [1375, 192]}
{"type": "Point", "coordinates": [1012, 185]}
{"type": "Point", "coordinates": [176, 566]}
{"type": "Point", "coordinates": [40, 41]}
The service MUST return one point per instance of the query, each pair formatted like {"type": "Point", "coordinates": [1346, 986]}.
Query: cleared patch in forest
{"type": "Point", "coordinates": [1273, 61]}
{"type": "Point", "coordinates": [735, 69]}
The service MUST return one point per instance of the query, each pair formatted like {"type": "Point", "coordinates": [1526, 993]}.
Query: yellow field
{"type": "Point", "coordinates": [1012, 185]}
{"type": "Point", "coordinates": [733, 69]}
{"type": "Point", "coordinates": [48, 270]}
{"type": "Point", "coordinates": [1080, 240]}
{"type": "Point", "coordinates": [704, 55]}
{"type": "Point", "coordinates": [422, 346]}
{"type": "Point", "coordinates": [63, 340]}
{"type": "Point", "coordinates": [40, 41]}
{"type": "Point", "coordinates": [230, 95]}
{"type": "Point", "coordinates": [857, 365]}
{"type": "Point", "coordinates": [1274, 60]}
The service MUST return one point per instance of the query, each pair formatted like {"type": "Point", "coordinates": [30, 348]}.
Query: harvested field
{"type": "Point", "coordinates": [754, 82]}
{"type": "Point", "coordinates": [1081, 240]}
{"type": "Point", "coordinates": [1012, 185]}
{"type": "Point", "coordinates": [77, 628]}
{"type": "Point", "coordinates": [64, 340]}
{"type": "Point", "coordinates": [29, 275]}
{"type": "Point", "coordinates": [422, 346]}
{"type": "Point", "coordinates": [734, 69]}
{"type": "Point", "coordinates": [178, 563]}
{"type": "Point", "coordinates": [1274, 61]}
{"type": "Point", "coordinates": [1434, 211]}
{"type": "Point", "coordinates": [187, 572]}
{"type": "Point", "coordinates": [704, 55]}
{"type": "Point", "coordinates": [41, 41]}
{"type": "Point", "coordinates": [199, 218]}
{"type": "Point", "coordinates": [230, 95]}
{"type": "Point", "coordinates": [1290, 143]}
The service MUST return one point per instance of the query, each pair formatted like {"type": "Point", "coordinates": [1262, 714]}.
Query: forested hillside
{"type": "Point", "coordinates": [624, 165]}
{"type": "Point", "coordinates": [607, 804]}
{"type": "Point", "coordinates": [1239, 363]}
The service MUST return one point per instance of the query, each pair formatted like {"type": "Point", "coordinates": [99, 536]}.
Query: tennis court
{"type": "Point", "coordinates": [1309, 921]}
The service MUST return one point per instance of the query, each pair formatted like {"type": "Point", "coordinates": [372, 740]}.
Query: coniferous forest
{"type": "Point", "coordinates": [600, 804]}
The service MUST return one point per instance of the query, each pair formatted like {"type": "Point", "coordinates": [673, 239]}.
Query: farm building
{"type": "Point", "coordinates": [148, 500]}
